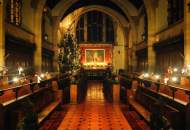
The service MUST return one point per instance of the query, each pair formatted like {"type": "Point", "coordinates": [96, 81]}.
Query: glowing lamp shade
{"type": "Point", "coordinates": [174, 79]}
{"type": "Point", "coordinates": [20, 70]}
{"type": "Point", "coordinates": [166, 80]}
{"type": "Point", "coordinates": [15, 79]}
{"type": "Point", "coordinates": [183, 71]}
{"type": "Point", "coordinates": [42, 75]}
{"type": "Point", "coordinates": [146, 75]}
{"type": "Point", "coordinates": [175, 69]}
{"type": "Point", "coordinates": [157, 76]}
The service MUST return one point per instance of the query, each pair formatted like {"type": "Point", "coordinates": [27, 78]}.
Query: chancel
{"type": "Point", "coordinates": [94, 65]}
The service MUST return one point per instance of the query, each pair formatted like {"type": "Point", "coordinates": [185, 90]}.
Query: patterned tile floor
{"type": "Point", "coordinates": [95, 113]}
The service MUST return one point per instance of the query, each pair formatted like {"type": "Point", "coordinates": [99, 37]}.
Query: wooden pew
{"type": "Point", "coordinates": [41, 102]}
{"type": "Point", "coordinates": [146, 101]}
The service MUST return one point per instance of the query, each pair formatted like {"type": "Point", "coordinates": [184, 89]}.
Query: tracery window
{"type": "Point", "coordinates": [80, 30]}
{"type": "Point", "coordinates": [109, 30]}
{"type": "Point", "coordinates": [14, 12]}
{"type": "Point", "coordinates": [95, 24]}
{"type": "Point", "coordinates": [99, 28]}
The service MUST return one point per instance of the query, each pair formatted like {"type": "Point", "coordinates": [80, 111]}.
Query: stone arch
{"type": "Point", "coordinates": [59, 11]}
{"type": "Point", "coordinates": [149, 5]}
{"type": "Point", "coordinates": [123, 23]}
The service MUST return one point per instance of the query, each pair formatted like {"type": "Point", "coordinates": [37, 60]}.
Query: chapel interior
{"type": "Point", "coordinates": [94, 64]}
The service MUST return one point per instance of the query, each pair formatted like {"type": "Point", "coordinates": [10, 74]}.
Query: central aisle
{"type": "Point", "coordinates": [95, 113]}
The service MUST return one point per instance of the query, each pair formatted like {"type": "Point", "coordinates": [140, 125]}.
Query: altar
{"type": "Point", "coordinates": [95, 59]}
{"type": "Point", "coordinates": [95, 74]}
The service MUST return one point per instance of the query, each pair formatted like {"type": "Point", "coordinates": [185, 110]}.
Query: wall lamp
{"type": "Point", "coordinates": [188, 6]}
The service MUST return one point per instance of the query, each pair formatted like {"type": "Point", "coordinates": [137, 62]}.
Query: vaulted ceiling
{"type": "Point", "coordinates": [81, 3]}
{"type": "Point", "coordinates": [137, 3]}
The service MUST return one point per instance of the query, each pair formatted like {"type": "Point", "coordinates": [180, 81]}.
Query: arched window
{"type": "Point", "coordinates": [94, 26]}
{"type": "Point", "coordinates": [109, 29]}
{"type": "Point", "coordinates": [14, 8]}
{"type": "Point", "coordinates": [80, 30]}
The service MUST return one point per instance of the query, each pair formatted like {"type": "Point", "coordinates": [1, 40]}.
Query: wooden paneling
{"type": "Point", "coordinates": [19, 33]}
{"type": "Point", "coordinates": [47, 61]}
{"type": "Point", "coordinates": [18, 53]}
{"type": "Point", "coordinates": [169, 53]}
{"type": "Point", "coordinates": [116, 93]}
{"type": "Point", "coordinates": [142, 60]}
{"type": "Point", "coordinates": [170, 32]}
{"type": "Point", "coordinates": [73, 94]}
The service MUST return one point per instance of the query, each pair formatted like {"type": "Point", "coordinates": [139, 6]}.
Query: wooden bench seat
{"type": "Point", "coordinates": [140, 109]}
{"type": "Point", "coordinates": [47, 111]}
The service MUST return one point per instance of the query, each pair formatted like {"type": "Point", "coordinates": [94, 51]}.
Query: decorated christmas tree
{"type": "Point", "coordinates": [69, 54]}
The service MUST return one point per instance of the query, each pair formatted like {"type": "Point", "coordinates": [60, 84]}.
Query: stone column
{"type": "Point", "coordinates": [186, 33]}
{"type": "Point", "coordinates": [38, 41]}
{"type": "Point", "coordinates": [38, 34]}
{"type": "Point", "coordinates": [151, 40]}
{"type": "Point", "coordinates": [2, 34]}
{"type": "Point", "coordinates": [85, 28]}
{"type": "Point", "coordinates": [151, 57]}
{"type": "Point", "coordinates": [55, 42]}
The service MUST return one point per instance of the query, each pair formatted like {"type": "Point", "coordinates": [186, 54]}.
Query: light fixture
{"type": "Point", "coordinates": [45, 9]}
{"type": "Point", "coordinates": [166, 80]}
{"type": "Point", "coordinates": [174, 79]}
{"type": "Point", "coordinates": [157, 76]}
{"type": "Point", "coordinates": [20, 70]}
{"type": "Point", "coordinates": [143, 36]}
{"type": "Point", "coordinates": [38, 79]}
{"type": "Point", "coordinates": [175, 69]}
{"type": "Point", "coordinates": [45, 37]}
{"type": "Point", "coordinates": [157, 39]}
{"type": "Point", "coordinates": [146, 75]}
{"type": "Point", "coordinates": [15, 79]}
{"type": "Point", "coordinates": [183, 71]}
{"type": "Point", "coordinates": [42, 75]}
